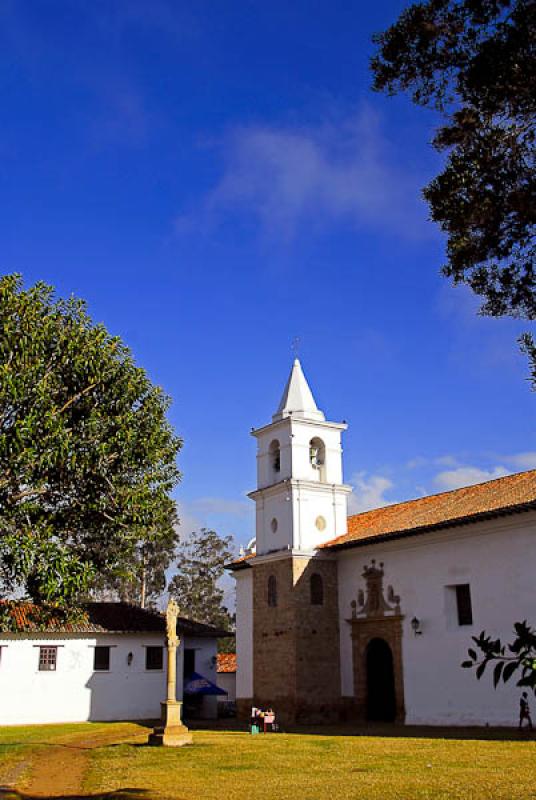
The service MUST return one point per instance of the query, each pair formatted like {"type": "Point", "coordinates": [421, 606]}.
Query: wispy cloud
{"type": "Point", "coordinates": [374, 490]}
{"type": "Point", "coordinates": [440, 461]}
{"type": "Point", "coordinates": [188, 521]}
{"type": "Point", "coordinates": [522, 460]}
{"type": "Point", "coordinates": [468, 475]}
{"type": "Point", "coordinates": [290, 177]}
{"type": "Point", "coordinates": [223, 505]}
{"type": "Point", "coordinates": [369, 492]}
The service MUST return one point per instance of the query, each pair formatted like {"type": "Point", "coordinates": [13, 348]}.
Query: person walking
{"type": "Point", "coordinates": [524, 711]}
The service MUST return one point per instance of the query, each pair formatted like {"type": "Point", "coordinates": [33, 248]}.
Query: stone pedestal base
{"type": "Point", "coordinates": [172, 733]}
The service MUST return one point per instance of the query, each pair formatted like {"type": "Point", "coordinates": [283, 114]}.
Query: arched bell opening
{"type": "Point", "coordinates": [317, 458]}
{"type": "Point", "coordinates": [275, 458]}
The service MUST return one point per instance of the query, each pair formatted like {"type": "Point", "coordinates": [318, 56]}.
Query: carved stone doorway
{"type": "Point", "coordinates": [381, 699]}
{"type": "Point", "coordinates": [376, 625]}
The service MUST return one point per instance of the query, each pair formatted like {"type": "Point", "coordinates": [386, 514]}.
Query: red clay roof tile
{"type": "Point", "coordinates": [502, 495]}
{"type": "Point", "coordinates": [102, 618]}
{"type": "Point", "coordinates": [226, 662]}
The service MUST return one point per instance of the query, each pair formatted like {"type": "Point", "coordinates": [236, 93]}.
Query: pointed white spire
{"type": "Point", "coordinates": [297, 398]}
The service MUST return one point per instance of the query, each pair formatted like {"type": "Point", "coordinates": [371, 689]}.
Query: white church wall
{"type": "Point", "coordinates": [280, 433]}
{"type": "Point", "coordinates": [329, 433]}
{"type": "Point", "coordinates": [294, 437]}
{"type": "Point", "coordinates": [319, 515]}
{"type": "Point", "coordinates": [270, 535]}
{"type": "Point", "coordinates": [498, 559]}
{"type": "Point", "coordinates": [244, 633]}
{"type": "Point", "coordinates": [227, 682]}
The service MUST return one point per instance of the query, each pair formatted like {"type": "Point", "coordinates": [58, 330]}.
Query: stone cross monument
{"type": "Point", "coordinates": [172, 732]}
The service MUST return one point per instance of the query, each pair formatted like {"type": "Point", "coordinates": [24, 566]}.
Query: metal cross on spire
{"type": "Point", "coordinates": [295, 346]}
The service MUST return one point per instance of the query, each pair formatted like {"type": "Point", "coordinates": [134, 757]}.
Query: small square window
{"type": "Point", "coordinates": [463, 604]}
{"type": "Point", "coordinates": [154, 657]}
{"type": "Point", "coordinates": [101, 659]}
{"type": "Point", "coordinates": [48, 657]}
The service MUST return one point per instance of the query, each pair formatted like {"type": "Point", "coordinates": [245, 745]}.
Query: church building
{"type": "Point", "coordinates": [369, 617]}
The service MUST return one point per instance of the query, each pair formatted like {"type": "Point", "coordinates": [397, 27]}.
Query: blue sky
{"type": "Point", "coordinates": [216, 179]}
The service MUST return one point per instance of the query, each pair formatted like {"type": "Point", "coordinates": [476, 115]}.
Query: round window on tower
{"type": "Point", "coordinates": [273, 525]}
{"type": "Point", "coordinates": [320, 523]}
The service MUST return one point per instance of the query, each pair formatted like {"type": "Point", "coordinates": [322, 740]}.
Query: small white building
{"type": "Point", "coordinates": [227, 677]}
{"type": "Point", "coordinates": [109, 667]}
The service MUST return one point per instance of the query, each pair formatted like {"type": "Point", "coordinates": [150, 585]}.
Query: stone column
{"type": "Point", "coordinates": [171, 673]}
{"type": "Point", "coordinates": [172, 732]}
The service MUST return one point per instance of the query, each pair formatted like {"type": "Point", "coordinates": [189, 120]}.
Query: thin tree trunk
{"type": "Point", "coordinates": [143, 589]}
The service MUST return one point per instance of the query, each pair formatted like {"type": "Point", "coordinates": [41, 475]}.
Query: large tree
{"type": "Point", "coordinates": [87, 456]}
{"type": "Point", "coordinates": [474, 61]}
{"type": "Point", "coordinates": [200, 564]}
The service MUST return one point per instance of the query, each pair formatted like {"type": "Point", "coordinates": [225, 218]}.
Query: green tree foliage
{"type": "Point", "coordinates": [474, 61]}
{"type": "Point", "coordinates": [200, 561]}
{"type": "Point", "coordinates": [87, 457]}
{"type": "Point", "coordinates": [518, 657]}
{"type": "Point", "coordinates": [528, 346]}
{"type": "Point", "coordinates": [142, 580]}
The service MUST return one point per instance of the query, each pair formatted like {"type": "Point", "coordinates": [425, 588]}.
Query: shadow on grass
{"type": "Point", "coordinates": [118, 794]}
{"type": "Point", "coordinates": [382, 730]}
{"type": "Point", "coordinates": [392, 731]}
{"type": "Point", "coordinates": [84, 740]}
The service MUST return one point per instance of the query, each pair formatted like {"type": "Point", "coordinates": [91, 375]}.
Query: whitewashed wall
{"type": "Point", "coordinates": [498, 559]}
{"type": "Point", "coordinates": [74, 692]}
{"type": "Point", "coordinates": [244, 633]}
{"type": "Point", "coordinates": [227, 682]}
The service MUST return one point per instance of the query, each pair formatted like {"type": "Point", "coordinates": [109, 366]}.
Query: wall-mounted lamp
{"type": "Point", "coordinates": [213, 661]}
{"type": "Point", "coordinates": [130, 659]}
{"type": "Point", "coordinates": [416, 626]}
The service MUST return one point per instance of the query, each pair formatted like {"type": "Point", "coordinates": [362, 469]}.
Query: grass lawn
{"type": "Point", "coordinates": [232, 764]}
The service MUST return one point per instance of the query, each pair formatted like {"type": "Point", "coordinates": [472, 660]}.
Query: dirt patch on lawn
{"type": "Point", "coordinates": [58, 772]}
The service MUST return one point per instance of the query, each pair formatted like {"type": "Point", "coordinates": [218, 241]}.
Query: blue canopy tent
{"type": "Point", "coordinates": [196, 684]}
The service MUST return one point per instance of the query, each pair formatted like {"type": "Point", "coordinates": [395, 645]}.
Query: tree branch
{"type": "Point", "coordinates": [77, 397]}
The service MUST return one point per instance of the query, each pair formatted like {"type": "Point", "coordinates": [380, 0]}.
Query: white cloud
{"type": "Point", "coordinates": [222, 505]}
{"type": "Point", "coordinates": [368, 492]}
{"type": "Point", "coordinates": [466, 476]}
{"type": "Point", "coordinates": [446, 461]}
{"type": "Point", "coordinates": [522, 460]}
{"type": "Point", "coordinates": [440, 461]}
{"type": "Point", "coordinates": [188, 521]}
{"type": "Point", "coordinates": [287, 177]}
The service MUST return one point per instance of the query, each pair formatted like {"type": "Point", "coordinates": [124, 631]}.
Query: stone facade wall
{"type": "Point", "coordinates": [317, 642]}
{"type": "Point", "coordinates": [296, 644]}
{"type": "Point", "coordinates": [274, 647]}
{"type": "Point", "coordinates": [243, 708]}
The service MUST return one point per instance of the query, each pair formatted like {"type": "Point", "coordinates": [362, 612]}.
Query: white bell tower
{"type": "Point", "coordinates": [300, 497]}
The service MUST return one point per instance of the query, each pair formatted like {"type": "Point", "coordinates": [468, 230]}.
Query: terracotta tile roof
{"type": "Point", "coordinates": [102, 618]}
{"type": "Point", "coordinates": [240, 563]}
{"type": "Point", "coordinates": [500, 496]}
{"type": "Point", "coordinates": [226, 662]}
